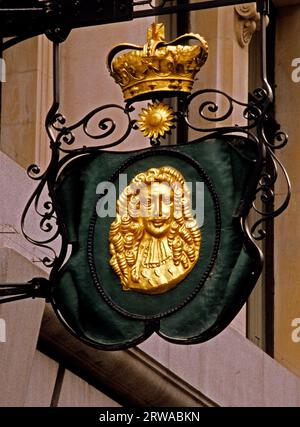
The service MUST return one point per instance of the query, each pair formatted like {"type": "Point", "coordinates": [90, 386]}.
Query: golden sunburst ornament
{"type": "Point", "coordinates": [156, 120]}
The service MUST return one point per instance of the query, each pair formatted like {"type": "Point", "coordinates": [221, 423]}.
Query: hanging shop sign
{"type": "Point", "coordinates": [156, 239]}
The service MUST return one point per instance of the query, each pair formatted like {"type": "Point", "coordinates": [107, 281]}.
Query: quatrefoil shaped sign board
{"type": "Point", "coordinates": [183, 271]}
{"type": "Point", "coordinates": [157, 239]}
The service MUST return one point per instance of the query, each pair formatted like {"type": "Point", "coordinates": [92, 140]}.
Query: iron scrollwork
{"type": "Point", "coordinates": [106, 127]}
{"type": "Point", "coordinates": [265, 189]}
{"type": "Point", "coordinates": [254, 114]}
{"type": "Point", "coordinates": [214, 108]}
{"type": "Point", "coordinates": [61, 138]}
{"type": "Point", "coordinates": [209, 110]}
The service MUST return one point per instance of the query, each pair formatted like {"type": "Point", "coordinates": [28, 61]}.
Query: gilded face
{"type": "Point", "coordinates": [152, 249]}
{"type": "Point", "coordinates": [157, 213]}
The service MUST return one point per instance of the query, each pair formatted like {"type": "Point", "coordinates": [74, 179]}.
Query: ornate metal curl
{"type": "Point", "coordinates": [255, 115]}
{"type": "Point", "coordinates": [265, 188]}
{"type": "Point", "coordinates": [106, 125]}
{"type": "Point", "coordinates": [60, 136]}
{"type": "Point", "coordinates": [253, 112]}
{"type": "Point", "coordinates": [46, 211]}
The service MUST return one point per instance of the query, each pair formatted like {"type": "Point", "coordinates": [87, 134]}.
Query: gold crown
{"type": "Point", "coordinates": [157, 66]}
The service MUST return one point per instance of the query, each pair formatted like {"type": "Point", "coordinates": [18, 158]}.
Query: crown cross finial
{"type": "Point", "coordinates": [155, 35]}
{"type": "Point", "coordinates": [156, 32]}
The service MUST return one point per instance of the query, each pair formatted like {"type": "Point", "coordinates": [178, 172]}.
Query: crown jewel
{"type": "Point", "coordinates": [157, 66]}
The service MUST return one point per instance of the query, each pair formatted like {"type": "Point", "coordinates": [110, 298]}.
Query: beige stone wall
{"type": "Point", "coordinates": [18, 112]}
{"type": "Point", "coordinates": [230, 370]}
{"type": "Point", "coordinates": [287, 226]}
{"type": "Point", "coordinates": [26, 98]}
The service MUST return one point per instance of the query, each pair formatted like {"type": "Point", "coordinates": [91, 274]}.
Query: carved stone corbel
{"type": "Point", "coordinates": [246, 21]}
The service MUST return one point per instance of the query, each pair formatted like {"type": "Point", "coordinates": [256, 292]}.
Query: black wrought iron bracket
{"type": "Point", "coordinates": [62, 136]}
{"type": "Point", "coordinates": [23, 19]}
{"type": "Point", "coordinates": [39, 287]}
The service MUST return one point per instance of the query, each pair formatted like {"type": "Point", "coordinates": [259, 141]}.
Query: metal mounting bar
{"type": "Point", "coordinates": [18, 18]}
{"type": "Point", "coordinates": [165, 10]}
{"type": "Point", "coordinates": [28, 9]}
{"type": "Point", "coordinates": [39, 287]}
{"type": "Point", "coordinates": [59, 17]}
